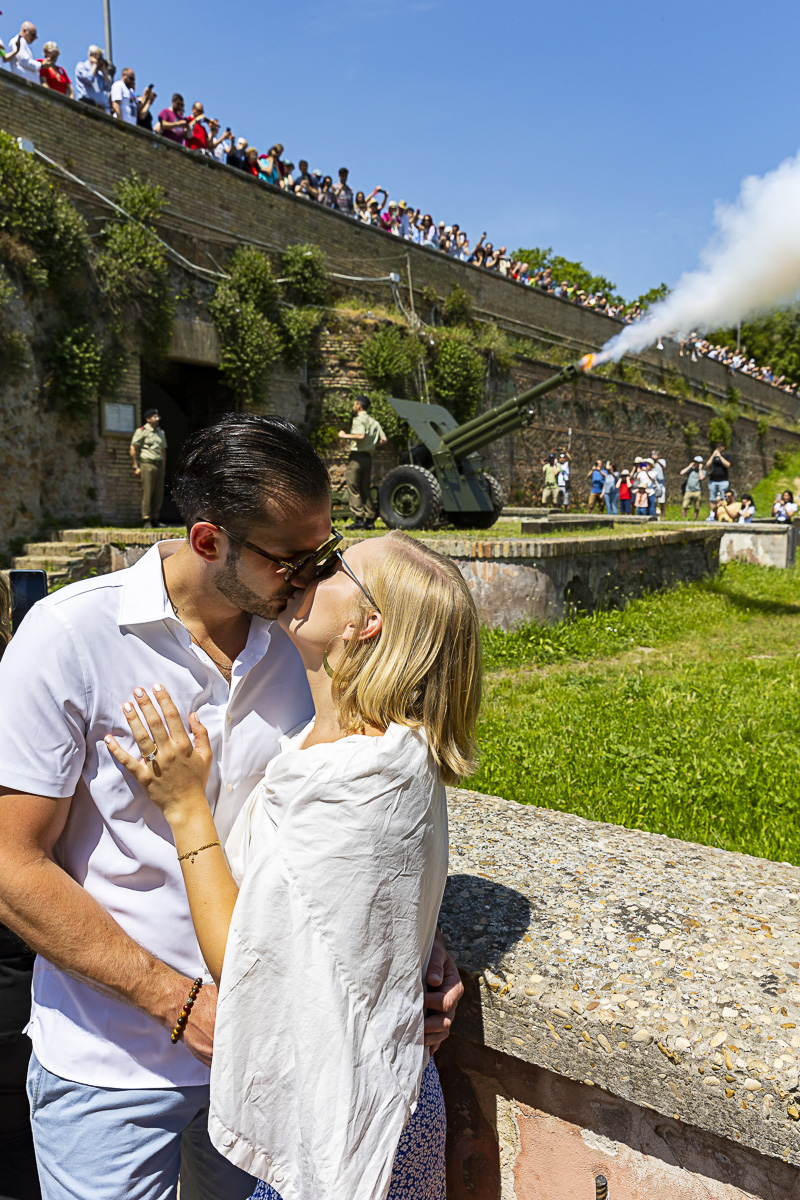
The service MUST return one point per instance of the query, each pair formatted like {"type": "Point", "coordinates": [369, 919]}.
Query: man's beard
{"type": "Point", "coordinates": [229, 585]}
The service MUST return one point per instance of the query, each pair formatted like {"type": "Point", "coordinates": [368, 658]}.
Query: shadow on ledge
{"type": "Point", "coordinates": [481, 920]}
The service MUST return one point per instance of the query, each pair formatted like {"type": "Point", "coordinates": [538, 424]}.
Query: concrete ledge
{"type": "Point", "coordinates": [560, 521]}
{"type": "Point", "coordinates": [662, 972]}
{"type": "Point", "coordinates": [519, 580]}
{"type": "Point", "coordinates": [767, 545]}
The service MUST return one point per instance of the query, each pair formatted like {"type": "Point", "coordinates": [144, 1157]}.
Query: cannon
{"type": "Point", "coordinates": [445, 480]}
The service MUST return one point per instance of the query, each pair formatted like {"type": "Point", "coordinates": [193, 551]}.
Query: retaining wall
{"type": "Point", "coordinates": [544, 579]}
{"type": "Point", "coordinates": [70, 470]}
{"type": "Point", "coordinates": [631, 1010]}
{"type": "Point", "coordinates": [763, 544]}
{"type": "Point", "coordinates": [210, 202]}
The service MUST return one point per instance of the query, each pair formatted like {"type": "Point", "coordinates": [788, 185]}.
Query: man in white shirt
{"type": "Point", "coordinates": [124, 101]}
{"type": "Point", "coordinates": [88, 873]}
{"type": "Point", "coordinates": [19, 56]}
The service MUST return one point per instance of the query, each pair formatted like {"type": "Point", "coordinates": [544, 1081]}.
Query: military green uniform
{"type": "Point", "coordinates": [359, 466]}
{"type": "Point", "coordinates": [150, 445]}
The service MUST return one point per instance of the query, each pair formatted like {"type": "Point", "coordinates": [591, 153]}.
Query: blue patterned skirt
{"type": "Point", "coordinates": [418, 1172]}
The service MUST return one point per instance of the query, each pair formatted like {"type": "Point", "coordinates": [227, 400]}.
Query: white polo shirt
{"type": "Point", "coordinates": [63, 679]}
{"type": "Point", "coordinates": [25, 63]}
{"type": "Point", "coordinates": [126, 99]}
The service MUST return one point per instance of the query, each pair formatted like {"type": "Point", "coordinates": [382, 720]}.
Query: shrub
{"type": "Point", "coordinates": [133, 272]}
{"type": "Point", "coordinates": [719, 431]}
{"type": "Point", "coordinates": [303, 267]}
{"type": "Point", "coordinates": [42, 237]}
{"type": "Point", "coordinates": [457, 375]}
{"type": "Point", "coordinates": [298, 330]}
{"type": "Point", "coordinates": [252, 276]}
{"type": "Point", "coordinates": [249, 343]}
{"type": "Point", "coordinates": [691, 432]}
{"type": "Point", "coordinates": [458, 308]}
{"type": "Point", "coordinates": [75, 361]}
{"type": "Point", "coordinates": [389, 357]}
{"type": "Point", "coordinates": [763, 430]}
{"type": "Point", "coordinates": [497, 345]}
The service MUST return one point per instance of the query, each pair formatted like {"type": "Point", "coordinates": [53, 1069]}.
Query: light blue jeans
{"type": "Point", "coordinates": [717, 489]}
{"type": "Point", "coordinates": [126, 1144]}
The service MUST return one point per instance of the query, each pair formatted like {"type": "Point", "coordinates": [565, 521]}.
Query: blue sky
{"type": "Point", "coordinates": [605, 130]}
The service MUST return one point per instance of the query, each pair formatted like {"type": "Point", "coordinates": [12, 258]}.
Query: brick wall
{"type": "Point", "coordinates": [210, 204]}
{"type": "Point", "coordinates": [53, 473]}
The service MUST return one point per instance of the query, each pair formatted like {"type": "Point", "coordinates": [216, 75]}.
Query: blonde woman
{"type": "Point", "coordinates": [320, 930]}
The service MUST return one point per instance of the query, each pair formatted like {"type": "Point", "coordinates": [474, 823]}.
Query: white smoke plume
{"type": "Point", "coordinates": [752, 264]}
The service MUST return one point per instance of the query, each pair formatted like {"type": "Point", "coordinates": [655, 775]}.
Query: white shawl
{"type": "Point", "coordinates": [318, 1045]}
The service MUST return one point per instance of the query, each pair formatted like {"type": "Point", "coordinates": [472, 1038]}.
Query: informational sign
{"type": "Point", "coordinates": [118, 417]}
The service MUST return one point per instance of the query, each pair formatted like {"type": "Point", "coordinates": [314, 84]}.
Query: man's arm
{"type": "Point", "coordinates": [724, 461]}
{"type": "Point", "coordinates": [58, 919]}
{"type": "Point", "coordinates": [137, 470]}
{"type": "Point", "coordinates": [13, 53]}
{"type": "Point", "coordinates": [443, 990]}
{"type": "Point", "coordinates": [116, 108]}
{"type": "Point", "coordinates": [686, 469]}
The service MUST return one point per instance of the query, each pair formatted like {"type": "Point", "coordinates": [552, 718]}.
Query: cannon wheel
{"type": "Point", "coordinates": [410, 498]}
{"type": "Point", "coordinates": [481, 520]}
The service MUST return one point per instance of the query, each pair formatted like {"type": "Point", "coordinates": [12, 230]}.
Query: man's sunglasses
{"type": "Point", "coordinates": [310, 564]}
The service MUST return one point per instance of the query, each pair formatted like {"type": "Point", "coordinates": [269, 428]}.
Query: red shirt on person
{"type": "Point", "coordinates": [55, 78]}
{"type": "Point", "coordinates": [198, 138]}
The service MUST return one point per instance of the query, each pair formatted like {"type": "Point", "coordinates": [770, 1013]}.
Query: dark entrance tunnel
{"type": "Point", "coordinates": [188, 397]}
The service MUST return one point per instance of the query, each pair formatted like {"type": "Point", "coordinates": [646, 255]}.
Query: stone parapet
{"type": "Point", "coordinates": [546, 579]}
{"type": "Point", "coordinates": [646, 971]}
{"type": "Point", "coordinates": [210, 203]}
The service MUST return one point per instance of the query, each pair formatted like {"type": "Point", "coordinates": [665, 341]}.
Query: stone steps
{"type": "Point", "coordinates": [62, 562]}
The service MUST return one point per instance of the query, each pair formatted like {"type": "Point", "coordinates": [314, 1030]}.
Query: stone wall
{"type": "Point", "coordinates": [59, 470]}
{"type": "Point", "coordinates": [631, 1010]}
{"type": "Point", "coordinates": [608, 420]}
{"type": "Point", "coordinates": [212, 204]}
{"type": "Point", "coordinates": [545, 579]}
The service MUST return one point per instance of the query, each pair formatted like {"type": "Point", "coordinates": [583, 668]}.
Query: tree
{"type": "Point", "coordinates": [575, 273]}
{"type": "Point", "coordinates": [772, 340]}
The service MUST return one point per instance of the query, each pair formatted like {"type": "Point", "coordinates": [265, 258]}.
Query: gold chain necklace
{"type": "Point", "coordinates": [226, 670]}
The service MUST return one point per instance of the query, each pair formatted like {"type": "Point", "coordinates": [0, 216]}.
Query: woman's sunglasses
{"type": "Point", "coordinates": [335, 561]}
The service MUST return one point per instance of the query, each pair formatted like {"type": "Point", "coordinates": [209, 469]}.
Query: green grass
{"type": "Point", "coordinates": [676, 715]}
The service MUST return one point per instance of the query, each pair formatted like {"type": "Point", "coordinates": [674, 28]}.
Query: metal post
{"type": "Point", "coordinates": [107, 20]}
{"type": "Point", "coordinates": [601, 1188]}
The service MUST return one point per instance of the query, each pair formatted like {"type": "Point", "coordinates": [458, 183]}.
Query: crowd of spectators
{"type": "Point", "coordinates": [735, 359]}
{"type": "Point", "coordinates": [641, 490]}
{"type": "Point", "coordinates": [95, 85]}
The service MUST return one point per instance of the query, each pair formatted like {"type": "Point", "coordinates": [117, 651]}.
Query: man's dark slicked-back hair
{"type": "Point", "coordinates": [244, 469]}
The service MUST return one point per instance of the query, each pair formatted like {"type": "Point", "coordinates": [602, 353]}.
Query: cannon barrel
{"type": "Point", "coordinates": [480, 431]}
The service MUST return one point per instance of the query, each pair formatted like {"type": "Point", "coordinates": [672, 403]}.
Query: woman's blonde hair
{"type": "Point", "coordinates": [424, 668]}
{"type": "Point", "coordinates": [5, 612]}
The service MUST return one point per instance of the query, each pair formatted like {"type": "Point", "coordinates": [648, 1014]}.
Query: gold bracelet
{"type": "Point", "coordinates": [192, 854]}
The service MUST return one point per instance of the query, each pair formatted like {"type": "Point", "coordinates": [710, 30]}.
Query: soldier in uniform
{"type": "Point", "coordinates": [149, 454]}
{"type": "Point", "coordinates": [365, 436]}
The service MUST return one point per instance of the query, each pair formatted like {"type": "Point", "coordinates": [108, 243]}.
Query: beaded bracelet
{"type": "Point", "coordinates": [183, 1016]}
